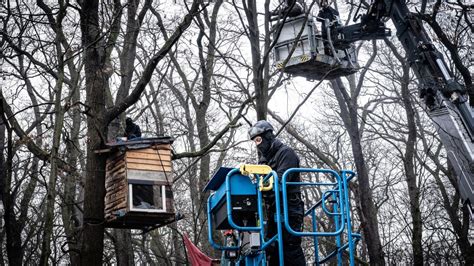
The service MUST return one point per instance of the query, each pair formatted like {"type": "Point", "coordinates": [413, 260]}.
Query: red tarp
{"type": "Point", "coordinates": [196, 257]}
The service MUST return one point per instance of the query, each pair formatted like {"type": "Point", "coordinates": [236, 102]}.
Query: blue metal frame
{"type": "Point", "coordinates": [338, 191]}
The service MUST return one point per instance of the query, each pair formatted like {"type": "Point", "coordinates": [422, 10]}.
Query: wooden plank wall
{"type": "Point", "coordinates": [116, 185]}
{"type": "Point", "coordinates": [156, 158]}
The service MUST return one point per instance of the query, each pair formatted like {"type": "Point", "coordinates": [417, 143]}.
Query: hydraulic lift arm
{"type": "Point", "coordinates": [446, 100]}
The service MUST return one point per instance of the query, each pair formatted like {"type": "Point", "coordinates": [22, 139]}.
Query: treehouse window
{"type": "Point", "coordinates": [147, 197]}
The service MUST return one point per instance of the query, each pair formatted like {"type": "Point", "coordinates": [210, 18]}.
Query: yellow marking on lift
{"type": "Point", "coordinates": [304, 58]}
{"type": "Point", "coordinates": [247, 169]}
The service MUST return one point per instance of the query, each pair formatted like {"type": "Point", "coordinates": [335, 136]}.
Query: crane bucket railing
{"type": "Point", "coordinates": [334, 204]}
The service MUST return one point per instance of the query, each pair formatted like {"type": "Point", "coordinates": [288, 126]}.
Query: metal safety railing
{"type": "Point", "coordinates": [335, 194]}
{"type": "Point", "coordinates": [339, 193]}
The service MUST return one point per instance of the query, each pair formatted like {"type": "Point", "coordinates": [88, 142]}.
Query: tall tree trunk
{"type": "Point", "coordinates": [369, 223]}
{"type": "Point", "coordinates": [409, 159]}
{"type": "Point", "coordinates": [123, 247]}
{"type": "Point", "coordinates": [261, 90]}
{"type": "Point", "coordinates": [465, 245]}
{"type": "Point", "coordinates": [12, 227]}
{"type": "Point", "coordinates": [92, 245]}
{"type": "Point", "coordinates": [58, 126]}
{"type": "Point", "coordinates": [177, 246]}
{"type": "Point", "coordinates": [207, 68]}
{"type": "Point", "coordinates": [94, 191]}
{"type": "Point", "coordinates": [3, 175]}
{"type": "Point", "coordinates": [69, 211]}
{"type": "Point", "coordinates": [409, 166]}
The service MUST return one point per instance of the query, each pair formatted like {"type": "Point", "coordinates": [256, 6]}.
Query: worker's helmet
{"type": "Point", "coordinates": [323, 3]}
{"type": "Point", "coordinates": [259, 128]}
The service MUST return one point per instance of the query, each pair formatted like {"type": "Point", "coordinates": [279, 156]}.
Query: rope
{"type": "Point", "coordinates": [163, 166]}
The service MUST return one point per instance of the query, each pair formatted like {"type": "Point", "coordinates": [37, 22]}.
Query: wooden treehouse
{"type": "Point", "coordinates": [138, 184]}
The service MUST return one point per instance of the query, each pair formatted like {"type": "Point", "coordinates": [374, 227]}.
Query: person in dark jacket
{"type": "Point", "coordinates": [132, 130]}
{"type": "Point", "coordinates": [280, 158]}
{"type": "Point", "coordinates": [328, 14]}
{"type": "Point", "coordinates": [292, 8]}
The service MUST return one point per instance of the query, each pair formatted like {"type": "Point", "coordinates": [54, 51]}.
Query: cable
{"type": "Point", "coordinates": [304, 100]}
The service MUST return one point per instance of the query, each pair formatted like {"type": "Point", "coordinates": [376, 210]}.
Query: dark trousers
{"type": "Point", "coordinates": [292, 251]}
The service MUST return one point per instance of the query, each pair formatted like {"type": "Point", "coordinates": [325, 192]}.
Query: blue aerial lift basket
{"type": "Point", "coordinates": [243, 197]}
{"type": "Point", "coordinates": [236, 202]}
